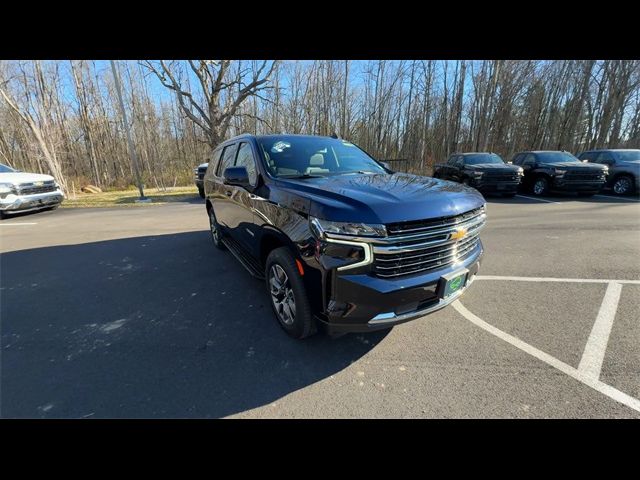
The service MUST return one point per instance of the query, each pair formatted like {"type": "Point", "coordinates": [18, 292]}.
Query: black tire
{"type": "Point", "coordinates": [201, 192]}
{"type": "Point", "coordinates": [301, 324]}
{"type": "Point", "coordinates": [3, 215]}
{"type": "Point", "coordinates": [540, 186]}
{"type": "Point", "coordinates": [623, 185]}
{"type": "Point", "coordinates": [509, 195]}
{"type": "Point", "coordinates": [214, 230]}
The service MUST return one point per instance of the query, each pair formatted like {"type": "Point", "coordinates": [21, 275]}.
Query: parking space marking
{"type": "Point", "coordinates": [632, 200]}
{"type": "Point", "coordinates": [538, 199]}
{"type": "Point", "coordinates": [553, 279]}
{"type": "Point", "coordinates": [10, 224]}
{"type": "Point", "coordinates": [596, 384]}
{"type": "Point", "coordinates": [593, 355]}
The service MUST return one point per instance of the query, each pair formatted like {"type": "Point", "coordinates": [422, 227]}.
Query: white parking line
{"type": "Point", "coordinates": [593, 355]}
{"type": "Point", "coordinates": [538, 199]}
{"type": "Point", "coordinates": [4, 224]}
{"type": "Point", "coordinates": [553, 279]}
{"type": "Point", "coordinates": [597, 385]}
{"type": "Point", "coordinates": [633, 200]}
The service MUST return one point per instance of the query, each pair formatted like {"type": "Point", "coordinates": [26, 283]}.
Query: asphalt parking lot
{"type": "Point", "coordinates": [131, 312]}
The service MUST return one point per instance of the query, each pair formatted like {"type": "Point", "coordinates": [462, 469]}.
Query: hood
{"type": "Point", "coordinates": [382, 198]}
{"type": "Point", "coordinates": [575, 165]}
{"type": "Point", "coordinates": [23, 177]}
{"type": "Point", "coordinates": [504, 167]}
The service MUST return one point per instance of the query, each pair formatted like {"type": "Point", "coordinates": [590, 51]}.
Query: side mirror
{"type": "Point", "coordinates": [236, 176]}
{"type": "Point", "coordinates": [387, 166]}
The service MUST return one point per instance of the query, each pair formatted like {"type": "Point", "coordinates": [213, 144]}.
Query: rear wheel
{"type": "Point", "coordinates": [540, 186]}
{"type": "Point", "coordinates": [216, 234]}
{"type": "Point", "coordinates": [623, 185]}
{"type": "Point", "coordinates": [288, 294]}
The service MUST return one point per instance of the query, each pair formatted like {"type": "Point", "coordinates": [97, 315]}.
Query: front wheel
{"type": "Point", "coordinates": [540, 186]}
{"type": "Point", "coordinates": [216, 234]}
{"type": "Point", "coordinates": [288, 294]}
{"type": "Point", "coordinates": [623, 185]}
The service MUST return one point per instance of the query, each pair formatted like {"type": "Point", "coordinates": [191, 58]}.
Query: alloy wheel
{"type": "Point", "coordinates": [622, 185]}
{"type": "Point", "coordinates": [282, 294]}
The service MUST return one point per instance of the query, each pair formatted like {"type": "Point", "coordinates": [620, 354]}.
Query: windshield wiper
{"type": "Point", "coordinates": [303, 175]}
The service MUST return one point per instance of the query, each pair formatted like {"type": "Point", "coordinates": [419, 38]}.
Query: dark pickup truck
{"type": "Point", "coordinates": [340, 240]}
{"type": "Point", "coordinates": [549, 170]}
{"type": "Point", "coordinates": [199, 172]}
{"type": "Point", "coordinates": [486, 172]}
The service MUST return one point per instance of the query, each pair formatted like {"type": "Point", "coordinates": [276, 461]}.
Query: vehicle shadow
{"type": "Point", "coordinates": [158, 326]}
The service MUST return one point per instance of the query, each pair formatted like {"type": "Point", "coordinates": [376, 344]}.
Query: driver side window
{"type": "Point", "coordinates": [245, 159]}
{"type": "Point", "coordinates": [529, 159]}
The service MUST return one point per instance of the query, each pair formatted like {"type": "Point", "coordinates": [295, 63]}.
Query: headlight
{"type": "Point", "coordinates": [520, 171]}
{"type": "Point", "coordinates": [6, 189]}
{"type": "Point", "coordinates": [560, 173]}
{"type": "Point", "coordinates": [478, 174]}
{"type": "Point", "coordinates": [347, 228]}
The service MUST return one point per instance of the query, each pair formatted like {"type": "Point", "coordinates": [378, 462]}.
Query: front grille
{"type": "Point", "coordinates": [32, 188]}
{"type": "Point", "coordinates": [500, 177]}
{"type": "Point", "coordinates": [588, 177]}
{"type": "Point", "coordinates": [427, 245]}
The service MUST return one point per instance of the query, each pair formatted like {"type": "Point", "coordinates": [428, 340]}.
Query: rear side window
{"type": "Point", "coordinates": [228, 156]}
{"type": "Point", "coordinates": [213, 163]}
{"type": "Point", "coordinates": [245, 159]}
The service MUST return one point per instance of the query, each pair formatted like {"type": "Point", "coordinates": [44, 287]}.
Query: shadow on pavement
{"type": "Point", "coordinates": [156, 326]}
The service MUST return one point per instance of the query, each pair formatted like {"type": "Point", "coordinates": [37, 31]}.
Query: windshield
{"type": "Point", "coordinates": [293, 156]}
{"type": "Point", "coordinates": [628, 155]}
{"type": "Point", "coordinates": [5, 169]}
{"type": "Point", "coordinates": [480, 158]}
{"type": "Point", "coordinates": [556, 157]}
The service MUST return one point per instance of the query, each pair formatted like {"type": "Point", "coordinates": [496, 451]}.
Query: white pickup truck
{"type": "Point", "coordinates": [22, 192]}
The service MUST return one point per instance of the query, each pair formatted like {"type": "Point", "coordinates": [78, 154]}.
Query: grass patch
{"type": "Point", "coordinates": [127, 198]}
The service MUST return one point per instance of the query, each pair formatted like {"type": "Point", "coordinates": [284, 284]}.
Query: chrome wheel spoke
{"type": "Point", "coordinates": [282, 294]}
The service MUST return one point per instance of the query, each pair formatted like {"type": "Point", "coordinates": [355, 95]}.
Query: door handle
{"type": "Point", "coordinates": [228, 193]}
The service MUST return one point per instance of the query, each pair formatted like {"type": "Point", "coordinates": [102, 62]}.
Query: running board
{"type": "Point", "coordinates": [247, 261]}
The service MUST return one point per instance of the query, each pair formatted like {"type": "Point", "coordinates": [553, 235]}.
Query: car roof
{"type": "Point", "coordinates": [612, 150]}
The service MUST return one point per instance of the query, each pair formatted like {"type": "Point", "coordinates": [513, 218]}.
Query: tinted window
{"type": "Point", "coordinates": [556, 157]}
{"type": "Point", "coordinates": [605, 158]}
{"type": "Point", "coordinates": [289, 155]}
{"type": "Point", "coordinates": [517, 160]}
{"type": "Point", "coordinates": [529, 159]}
{"type": "Point", "coordinates": [459, 161]}
{"type": "Point", "coordinates": [590, 156]}
{"type": "Point", "coordinates": [481, 158]}
{"type": "Point", "coordinates": [213, 163]}
{"type": "Point", "coordinates": [5, 169]}
{"type": "Point", "coordinates": [245, 159]}
{"type": "Point", "coordinates": [228, 156]}
{"type": "Point", "coordinates": [452, 160]}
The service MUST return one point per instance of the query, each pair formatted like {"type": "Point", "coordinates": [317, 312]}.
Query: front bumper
{"type": "Point", "coordinates": [496, 187]}
{"type": "Point", "coordinates": [363, 302]}
{"type": "Point", "coordinates": [24, 203]}
{"type": "Point", "coordinates": [577, 186]}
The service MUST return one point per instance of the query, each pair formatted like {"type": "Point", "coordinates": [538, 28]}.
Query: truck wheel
{"type": "Point", "coordinates": [201, 192]}
{"type": "Point", "coordinates": [216, 234]}
{"type": "Point", "coordinates": [623, 185]}
{"type": "Point", "coordinates": [540, 186]}
{"type": "Point", "coordinates": [288, 295]}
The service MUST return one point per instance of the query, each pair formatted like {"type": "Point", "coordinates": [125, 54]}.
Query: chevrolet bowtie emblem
{"type": "Point", "coordinates": [459, 233]}
{"type": "Point", "coordinates": [38, 184]}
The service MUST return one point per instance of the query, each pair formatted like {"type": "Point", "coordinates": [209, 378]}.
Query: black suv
{"type": "Point", "coordinates": [548, 170]}
{"type": "Point", "coordinates": [484, 171]}
{"type": "Point", "coordinates": [624, 168]}
{"type": "Point", "coordinates": [341, 241]}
